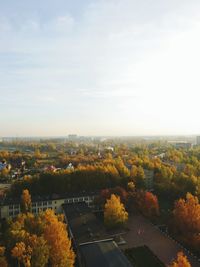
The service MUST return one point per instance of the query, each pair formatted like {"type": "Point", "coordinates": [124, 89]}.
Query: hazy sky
{"type": "Point", "coordinates": [104, 67]}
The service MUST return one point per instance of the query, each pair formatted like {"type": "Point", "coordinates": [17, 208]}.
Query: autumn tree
{"type": "Point", "coordinates": [151, 204]}
{"type": "Point", "coordinates": [121, 167]}
{"type": "Point", "coordinates": [25, 201]}
{"type": "Point", "coordinates": [114, 212]}
{"type": "Point", "coordinates": [4, 172]}
{"type": "Point", "coordinates": [133, 172]}
{"type": "Point", "coordinates": [37, 240]}
{"type": "Point", "coordinates": [118, 190]}
{"type": "Point", "coordinates": [138, 176]}
{"type": "Point", "coordinates": [3, 261]}
{"type": "Point", "coordinates": [37, 154]}
{"type": "Point", "coordinates": [187, 215]}
{"type": "Point", "coordinates": [131, 186]}
{"type": "Point", "coordinates": [181, 261]}
{"type": "Point", "coordinates": [147, 203]}
{"type": "Point", "coordinates": [61, 252]}
{"type": "Point", "coordinates": [22, 253]}
{"type": "Point", "coordinates": [40, 251]}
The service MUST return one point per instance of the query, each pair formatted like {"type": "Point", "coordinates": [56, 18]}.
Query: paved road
{"type": "Point", "coordinates": [144, 233]}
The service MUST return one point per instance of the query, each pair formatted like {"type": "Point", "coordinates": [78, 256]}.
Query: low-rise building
{"type": "Point", "coordinates": [94, 245]}
{"type": "Point", "coordinates": [11, 208]}
{"type": "Point", "coordinates": [181, 144]}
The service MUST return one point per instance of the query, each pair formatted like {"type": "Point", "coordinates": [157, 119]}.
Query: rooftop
{"type": "Point", "coordinates": [83, 223]}
{"type": "Point", "coordinates": [143, 256]}
{"type": "Point", "coordinates": [10, 201]}
{"type": "Point", "coordinates": [103, 253]}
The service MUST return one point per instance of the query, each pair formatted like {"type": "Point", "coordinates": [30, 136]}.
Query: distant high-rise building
{"type": "Point", "coordinates": [198, 140]}
{"type": "Point", "coordinates": [72, 137]}
{"type": "Point", "coordinates": [181, 144]}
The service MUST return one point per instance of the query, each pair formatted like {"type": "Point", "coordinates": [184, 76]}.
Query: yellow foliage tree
{"type": "Point", "coordinates": [61, 253]}
{"type": "Point", "coordinates": [114, 212]}
{"type": "Point", "coordinates": [25, 201]}
{"type": "Point", "coordinates": [37, 240]}
{"type": "Point", "coordinates": [37, 154]}
{"type": "Point", "coordinates": [4, 172]}
{"type": "Point", "coordinates": [181, 261]}
{"type": "Point", "coordinates": [40, 251]}
{"type": "Point", "coordinates": [22, 231]}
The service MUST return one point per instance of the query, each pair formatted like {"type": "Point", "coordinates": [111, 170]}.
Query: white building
{"type": "Point", "coordinates": [11, 209]}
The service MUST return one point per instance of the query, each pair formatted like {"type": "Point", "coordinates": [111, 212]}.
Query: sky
{"type": "Point", "coordinates": [99, 67]}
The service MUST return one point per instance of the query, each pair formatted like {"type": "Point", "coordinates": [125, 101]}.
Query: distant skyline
{"type": "Point", "coordinates": [104, 67]}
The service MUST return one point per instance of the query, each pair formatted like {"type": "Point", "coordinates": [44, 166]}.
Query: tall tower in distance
{"type": "Point", "coordinates": [198, 140]}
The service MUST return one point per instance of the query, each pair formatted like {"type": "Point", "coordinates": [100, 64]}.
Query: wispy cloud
{"type": "Point", "coordinates": [101, 59]}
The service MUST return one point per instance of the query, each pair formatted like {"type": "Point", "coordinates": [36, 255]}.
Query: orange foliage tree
{"type": "Point", "coordinates": [147, 203]}
{"type": "Point", "coordinates": [114, 212]}
{"type": "Point", "coordinates": [187, 220]}
{"type": "Point", "coordinates": [187, 214]}
{"type": "Point", "coordinates": [106, 194]}
{"type": "Point", "coordinates": [181, 261]}
{"type": "Point", "coordinates": [37, 240]}
{"type": "Point", "coordinates": [3, 262]}
{"type": "Point", "coordinates": [61, 253]}
{"type": "Point", "coordinates": [22, 253]}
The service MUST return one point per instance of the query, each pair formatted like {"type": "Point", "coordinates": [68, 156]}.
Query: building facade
{"type": "Point", "coordinates": [11, 209]}
{"type": "Point", "coordinates": [198, 140]}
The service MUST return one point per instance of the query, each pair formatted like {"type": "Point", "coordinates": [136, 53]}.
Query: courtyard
{"type": "Point", "coordinates": [142, 232]}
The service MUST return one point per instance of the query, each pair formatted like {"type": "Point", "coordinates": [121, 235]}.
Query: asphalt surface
{"type": "Point", "coordinates": [142, 232]}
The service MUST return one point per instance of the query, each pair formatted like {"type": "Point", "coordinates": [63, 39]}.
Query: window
{"type": "Point", "coordinates": [10, 213]}
{"type": "Point", "coordinates": [45, 203]}
{"type": "Point", "coordinates": [49, 202]}
{"type": "Point", "coordinates": [10, 207]}
{"type": "Point", "coordinates": [16, 206]}
{"type": "Point", "coordinates": [39, 204]}
{"type": "Point", "coordinates": [33, 204]}
{"type": "Point", "coordinates": [16, 212]}
{"type": "Point", "coordinates": [70, 200]}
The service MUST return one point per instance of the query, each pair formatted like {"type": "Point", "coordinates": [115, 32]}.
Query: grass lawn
{"type": "Point", "coordinates": [143, 257]}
